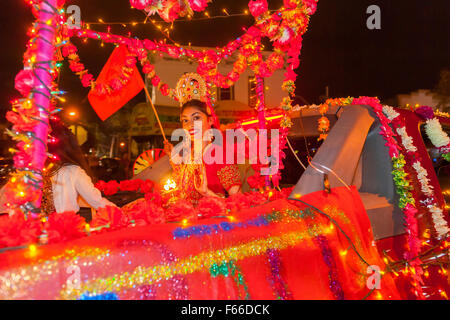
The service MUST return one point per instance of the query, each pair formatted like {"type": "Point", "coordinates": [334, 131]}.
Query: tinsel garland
{"type": "Point", "coordinates": [333, 278]}
{"type": "Point", "coordinates": [275, 278]}
{"type": "Point", "coordinates": [229, 268]}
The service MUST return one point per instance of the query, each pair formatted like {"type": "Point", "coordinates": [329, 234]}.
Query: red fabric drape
{"type": "Point", "coordinates": [107, 105]}
{"type": "Point", "coordinates": [303, 270]}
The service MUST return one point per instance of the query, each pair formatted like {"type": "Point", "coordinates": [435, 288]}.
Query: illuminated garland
{"type": "Point", "coordinates": [170, 10]}
{"type": "Point", "coordinates": [30, 114]}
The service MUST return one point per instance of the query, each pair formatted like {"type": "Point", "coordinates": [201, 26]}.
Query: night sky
{"type": "Point", "coordinates": [339, 51]}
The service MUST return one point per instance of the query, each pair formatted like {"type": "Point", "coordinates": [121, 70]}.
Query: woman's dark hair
{"type": "Point", "coordinates": [197, 104]}
{"type": "Point", "coordinates": [66, 149]}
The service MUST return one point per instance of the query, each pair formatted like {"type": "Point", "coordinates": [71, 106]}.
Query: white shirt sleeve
{"type": "Point", "coordinates": [86, 189]}
{"type": "Point", "coordinates": [69, 184]}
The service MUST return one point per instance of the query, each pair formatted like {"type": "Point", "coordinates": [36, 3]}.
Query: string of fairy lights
{"type": "Point", "coordinates": [162, 26]}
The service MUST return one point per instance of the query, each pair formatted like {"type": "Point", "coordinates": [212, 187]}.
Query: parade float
{"type": "Point", "coordinates": [366, 220]}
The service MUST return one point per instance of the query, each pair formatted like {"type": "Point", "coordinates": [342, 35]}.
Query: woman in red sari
{"type": "Point", "coordinates": [195, 180]}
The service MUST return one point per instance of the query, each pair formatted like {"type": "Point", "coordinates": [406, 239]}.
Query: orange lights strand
{"type": "Point", "coordinates": [351, 244]}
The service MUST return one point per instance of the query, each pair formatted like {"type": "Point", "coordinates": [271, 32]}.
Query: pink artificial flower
{"type": "Point", "coordinates": [254, 32]}
{"type": "Point", "coordinates": [116, 84]}
{"type": "Point", "coordinates": [312, 6]}
{"type": "Point", "coordinates": [25, 81]}
{"type": "Point", "coordinates": [425, 112]}
{"type": "Point", "coordinates": [170, 11]}
{"type": "Point", "coordinates": [149, 45]}
{"type": "Point", "coordinates": [155, 81]}
{"type": "Point", "coordinates": [140, 4]}
{"type": "Point", "coordinates": [198, 5]}
{"type": "Point", "coordinates": [258, 7]}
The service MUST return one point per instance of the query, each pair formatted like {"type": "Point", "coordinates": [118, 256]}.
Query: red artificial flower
{"type": "Point", "coordinates": [25, 81]}
{"type": "Point", "coordinates": [130, 61]}
{"type": "Point", "coordinates": [237, 202]}
{"type": "Point", "coordinates": [130, 185]}
{"type": "Point", "coordinates": [143, 212]}
{"type": "Point", "coordinates": [111, 188]}
{"type": "Point", "coordinates": [147, 186]}
{"type": "Point", "coordinates": [147, 68]}
{"type": "Point", "coordinates": [69, 50]}
{"type": "Point", "coordinates": [76, 66]}
{"type": "Point", "coordinates": [86, 80]}
{"type": "Point", "coordinates": [164, 90]}
{"type": "Point", "coordinates": [111, 216]}
{"type": "Point", "coordinates": [256, 198]}
{"type": "Point", "coordinates": [290, 4]}
{"type": "Point", "coordinates": [154, 197]}
{"type": "Point", "coordinates": [16, 231]}
{"type": "Point", "coordinates": [100, 185]}
{"type": "Point", "coordinates": [181, 210]}
{"type": "Point", "coordinates": [19, 123]}
{"type": "Point", "coordinates": [211, 206]}
{"type": "Point", "coordinates": [65, 226]}
{"type": "Point", "coordinates": [256, 181]}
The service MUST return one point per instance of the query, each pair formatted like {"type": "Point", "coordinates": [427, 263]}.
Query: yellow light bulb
{"type": "Point", "coordinates": [33, 249]}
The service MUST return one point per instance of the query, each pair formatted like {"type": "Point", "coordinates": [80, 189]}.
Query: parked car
{"type": "Point", "coordinates": [110, 169]}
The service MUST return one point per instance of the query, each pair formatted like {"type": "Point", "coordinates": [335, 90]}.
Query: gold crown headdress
{"type": "Point", "coordinates": [191, 86]}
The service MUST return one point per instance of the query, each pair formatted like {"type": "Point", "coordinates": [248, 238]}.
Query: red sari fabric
{"type": "Point", "coordinates": [268, 252]}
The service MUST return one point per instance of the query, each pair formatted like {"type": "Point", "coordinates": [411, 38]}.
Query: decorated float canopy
{"type": "Point", "coordinates": [50, 43]}
{"type": "Point", "coordinates": [364, 131]}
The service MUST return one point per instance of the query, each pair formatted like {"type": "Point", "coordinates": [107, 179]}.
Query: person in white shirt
{"type": "Point", "coordinates": [68, 180]}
